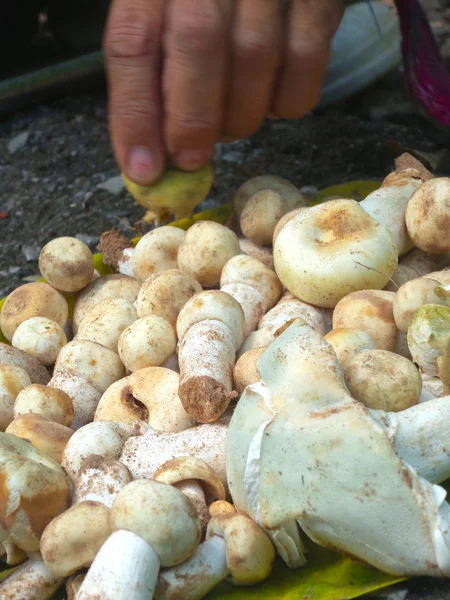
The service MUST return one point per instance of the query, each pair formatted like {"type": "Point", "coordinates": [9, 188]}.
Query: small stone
{"type": "Point", "coordinates": [31, 252]}
{"type": "Point", "coordinates": [18, 142]}
{"type": "Point", "coordinates": [114, 185]}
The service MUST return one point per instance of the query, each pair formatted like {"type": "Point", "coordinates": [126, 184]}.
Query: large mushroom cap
{"type": "Point", "coordinates": [299, 448]}
{"type": "Point", "coordinates": [33, 491]}
{"type": "Point", "coordinates": [331, 250]}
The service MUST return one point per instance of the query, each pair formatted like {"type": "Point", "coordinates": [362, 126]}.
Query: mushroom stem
{"type": "Point", "coordinates": [125, 565]}
{"type": "Point", "coordinates": [420, 436]}
{"type": "Point", "coordinates": [197, 576]}
{"type": "Point", "coordinates": [31, 581]}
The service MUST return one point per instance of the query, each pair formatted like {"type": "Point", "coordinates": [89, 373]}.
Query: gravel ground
{"type": "Point", "coordinates": [55, 160]}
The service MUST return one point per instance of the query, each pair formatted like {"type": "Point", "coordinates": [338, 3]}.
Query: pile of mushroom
{"type": "Point", "coordinates": [227, 388]}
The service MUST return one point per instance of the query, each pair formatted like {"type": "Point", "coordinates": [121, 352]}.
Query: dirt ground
{"type": "Point", "coordinates": [50, 176]}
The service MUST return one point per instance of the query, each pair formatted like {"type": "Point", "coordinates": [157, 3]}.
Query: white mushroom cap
{"type": "Point", "coordinates": [331, 250]}
{"type": "Point", "coordinates": [84, 396]}
{"type": "Point", "coordinates": [165, 293]}
{"type": "Point", "coordinates": [67, 264]}
{"type": "Point", "coordinates": [109, 286]}
{"type": "Point", "coordinates": [383, 380]}
{"type": "Point", "coordinates": [260, 215]}
{"type": "Point", "coordinates": [216, 305]}
{"type": "Point", "coordinates": [207, 247]}
{"type": "Point", "coordinates": [148, 342]}
{"type": "Point", "coordinates": [372, 312]}
{"type": "Point", "coordinates": [100, 479]}
{"type": "Point", "coordinates": [41, 338]}
{"type": "Point", "coordinates": [410, 297]}
{"type": "Point", "coordinates": [125, 264]}
{"type": "Point", "coordinates": [72, 540]}
{"type": "Point", "coordinates": [347, 343]}
{"type": "Point", "coordinates": [285, 218]}
{"type": "Point", "coordinates": [96, 364]}
{"type": "Point", "coordinates": [161, 515]}
{"type": "Point", "coordinates": [261, 253]}
{"type": "Point", "coordinates": [428, 216]}
{"type": "Point", "coordinates": [12, 381]}
{"type": "Point", "coordinates": [32, 300]}
{"type": "Point", "coordinates": [443, 277]}
{"type": "Point", "coordinates": [105, 321]}
{"type": "Point", "coordinates": [149, 395]}
{"type": "Point", "coordinates": [35, 485]}
{"type": "Point", "coordinates": [157, 251]}
{"type": "Point", "coordinates": [13, 356]}
{"type": "Point", "coordinates": [252, 303]}
{"type": "Point", "coordinates": [45, 401]}
{"type": "Point", "coordinates": [267, 182]}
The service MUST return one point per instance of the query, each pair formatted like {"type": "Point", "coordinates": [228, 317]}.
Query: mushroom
{"type": "Point", "coordinates": [157, 251]}
{"type": "Point", "coordinates": [347, 343]}
{"type": "Point", "coordinates": [401, 276]}
{"type": "Point", "coordinates": [423, 263]}
{"type": "Point", "coordinates": [383, 380]}
{"type": "Point", "coordinates": [442, 277]}
{"type": "Point", "coordinates": [428, 337]}
{"type": "Point", "coordinates": [31, 581]}
{"type": "Point", "coordinates": [433, 386]}
{"type": "Point", "coordinates": [165, 293]}
{"type": "Point", "coordinates": [71, 541]}
{"type": "Point", "coordinates": [428, 216]}
{"type": "Point", "coordinates": [245, 370]}
{"type": "Point", "coordinates": [331, 250]}
{"type": "Point", "coordinates": [73, 585]}
{"type": "Point", "coordinates": [285, 218]}
{"type": "Point", "coordinates": [261, 253]}
{"type": "Point", "coordinates": [296, 438]}
{"type": "Point", "coordinates": [12, 380]}
{"type": "Point", "coordinates": [145, 454]}
{"type": "Point", "coordinates": [11, 553]}
{"type": "Point", "coordinates": [196, 479]}
{"type": "Point", "coordinates": [47, 436]}
{"type": "Point", "coordinates": [235, 546]}
{"type": "Point", "coordinates": [109, 286]}
{"type": "Point", "coordinates": [117, 252]}
{"type": "Point", "coordinates": [148, 342]}
{"type": "Point", "coordinates": [67, 264]}
{"type": "Point", "coordinates": [102, 438]}
{"type": "Point", "coordinates": [34, 491]}
{"type": "Point", "coordinates": [261, 213]}
{"type": "Point", "coordinates": [105, 321]}
{"type": "Point", "coordinates": [153, 525]}
{"type": "Point", "coordinates": [15, 357]}
{"type": "Point", "coordinates": [100, 479]}
{"type": "Point", "coordinates": [32, 300]}
{"type": "Point", "coordinates": [205, 250]}
{"type": "Point", "coordinates": [410, 297]}
{"type": "Point", "coordinates": [95, 364]}
{"type": "Point", "coordinates": [48, 402]}
{"type": "Point", "coordinates": [84, 396]}
{"type": "Point", "coordinates": [370, 311]}
{"type": "Point", "coordinates": [41, 338]}
{"type": "Point", "coordinates": [149, 395]}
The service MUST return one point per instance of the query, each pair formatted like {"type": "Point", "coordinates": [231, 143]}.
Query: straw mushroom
{"type": "Point", "coordinates": [235, 546]}
{"type": "Point", "coordinates": [165, 293]}
{"type": "Point", "coordinates": [285, 218]}
{"type": "Point", "coordinates": [105, 321]}
{"type": "Point", "coordinates": [84, 396]}
{"type": "Point", "coordinates": [383, 380]}
{"type": "Point", "coordinates": [370, 311]}
{"type": "Point", "coordinates": [100, 479]}
{"type": "Point", "coordinates": [95, 364]}
{"type": "Point", "coordinates": [205, 250]}
{"type": "Point", "coordinates": [67, 264]}
{"type": "Point", "coordinates": [48, 436]}
{"type": "Point", "coordinates": [109, 286]}
{"type": "Point", "coordinates": [34, 491]}
{"type": "Point", "coordinates": [261, 253]}
{"type": "Point", "coordinates": [32, 300]}
{"type": "Point", "coordinates": [31, 581]}
{"type": "Point", "coordinates": [423, 263]}
{"type": "Point", "coordinates": [410, 297]}
{"type": "Point", "coordinates": [149, 395]}
{"type": "Point", "coordinates": [157, 251]}
{"type": "Point", "coordinates": [71, 541]}
{"type": "Point", "coordinates": [48, 402]}
{"type": "Point", "coordinates": [12, 381]}
{"type": "Point", "coordinates": [41, 338]}
{"type": "Point", "coordinates": [401, 276]}
{"type": "Point", "coordinates": [347, 343]}
{"type": "Point", "coordinates": [148, 342]}
{"type": "Point", "coordinates": [331, 250]}
{"type": "Point", "coordinates": [428, 216]}
{"type": "Point", "coordinates": [15, 357]}
{"type": "Point", "coordinates": [245, 370]}
{"type": "Point", "coordinates": [10, 553]}
{"type": "Point", "coordinates": [260, 215]}
{"type": "Point", "coordinates": [153, 525]}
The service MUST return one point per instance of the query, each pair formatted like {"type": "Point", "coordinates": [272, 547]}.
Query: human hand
{"type": "Point", "coordinates": [184, 74]}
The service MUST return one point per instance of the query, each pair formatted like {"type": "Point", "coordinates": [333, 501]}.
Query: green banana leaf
{"type": "Point", "coordinates": [356, 190]}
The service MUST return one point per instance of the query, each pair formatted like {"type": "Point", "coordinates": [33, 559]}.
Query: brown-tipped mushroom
{"type": "Point", "coordinates": [41, 338]}
{"type": "Point", "coordinates": [383, 380]}
{"type": "Point", "coordinates": [45, 401]}
{"type": "Point", "coordinates": [207, 247]}
{"type": "Point", "coordinates": [13, 356]}
{"type": "Point", "coordinates": [12, 381]}
{"type": "Point", "coordinates": [157, 251]}
{"type": "Point", "coordinates": [149, 395]}
{"type": "Point", "coordinates": [245, 370]}
{"type": "Point", "coordinates": [100, 479]}
{"type": "Point", "coordinates": [32, 300]}
{"type": "Point", "coordinates": [148, 342]}
{"type": "Point", "coordinates": [67, 264]}
{"type": "Point", "coordinates": [347, 343]}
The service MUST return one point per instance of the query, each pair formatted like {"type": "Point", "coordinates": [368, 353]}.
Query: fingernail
{"type": "Point", "coordinates": [190, 160]}
{"type": "Point", "coordinates": [142, 167]}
